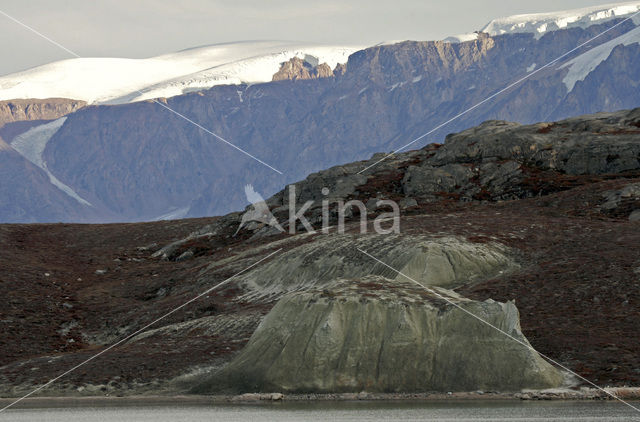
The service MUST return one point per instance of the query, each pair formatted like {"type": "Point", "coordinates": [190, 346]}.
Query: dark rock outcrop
{"type": "Point", "coordinates": [495, 161]}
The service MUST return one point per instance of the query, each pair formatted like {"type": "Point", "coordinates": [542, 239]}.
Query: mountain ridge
{"type": "Point", "coordinates": [117, 80]}
{"type": "Point", "coordinates": [138, 162]}
{"type": "Point", "coordinates": [195, 68]}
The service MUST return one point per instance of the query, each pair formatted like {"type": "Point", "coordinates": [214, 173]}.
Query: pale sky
{"type": "Point", "coordinates": [144, 28]}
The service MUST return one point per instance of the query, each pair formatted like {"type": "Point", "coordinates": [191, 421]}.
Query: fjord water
{"type": "Point", "coordinates": [471, 411]}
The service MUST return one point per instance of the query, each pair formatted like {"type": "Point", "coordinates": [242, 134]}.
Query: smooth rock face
{"type": "Point", "coordinates": [444, 262]}
{"type": "Point", "coordinates": [381, 335]}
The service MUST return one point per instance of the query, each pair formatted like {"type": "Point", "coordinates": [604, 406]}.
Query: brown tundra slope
{"type": "Point", "coordinates": [562, 198]}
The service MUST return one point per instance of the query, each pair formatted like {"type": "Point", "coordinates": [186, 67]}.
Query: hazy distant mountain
{"type": "Point", "coordinates": [117, 81]}
{"type": "Point", "coordinates": [138, 161]}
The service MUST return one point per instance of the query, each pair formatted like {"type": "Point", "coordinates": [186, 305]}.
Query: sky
{"type": "Point", "coordinates": [145, 28]}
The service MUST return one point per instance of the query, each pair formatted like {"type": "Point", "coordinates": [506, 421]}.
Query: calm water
{"type": "Point", "coordinates": [337, 411]}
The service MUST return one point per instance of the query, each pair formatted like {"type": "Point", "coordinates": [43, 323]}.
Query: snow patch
{"type": "Point", "coordinates": [581, 66]}
{"type": "Point", "coordinates": [246, 71]}
{"type": "Point", "coordinates": [396, 85]}
{"type": "Point", "coordinates": [174, 214]}
{"type": "Point", "coordinates": [117, 80]}
{"type": "Point", "coordinates": [456, 39]}
{"type": "Point", "coordinates": [31, 145]}
{"type": "Point", "coordinates": [4, 146]}
{"type": "Point", "coordinates": [541, 23]}
{"type": "Point", "coordinates": [391, 42]}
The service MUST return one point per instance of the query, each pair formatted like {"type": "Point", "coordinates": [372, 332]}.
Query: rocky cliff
{"type": "Point", "coordinates": [378, 335]}
{"type": "Point", "coordinates": [37, 109]}
{"type": "Point", "coordinates": [297, 68]}
{"type": "Point", "coordinates": [18, 116]}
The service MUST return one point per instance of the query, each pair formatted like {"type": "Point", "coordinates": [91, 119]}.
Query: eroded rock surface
{"type": "Point", "coordinates": [297, 68]}
{"type": "Point", "coordinates": [19, 115]}
{"type": "Point", "coordinates": [383, 335]}
{"type": "Point", "coordinates": [445, 262]}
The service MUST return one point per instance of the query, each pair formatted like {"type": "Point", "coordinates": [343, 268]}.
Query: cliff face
{"type": "Point", "coordinates": [296, 68]}
{"type": "Point", "coordinates": [379, 335]}
{"type": "Point", "coordinates": [37, 109]}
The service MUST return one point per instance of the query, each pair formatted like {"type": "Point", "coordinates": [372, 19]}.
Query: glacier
{"type": "Point", "coordinates": [541, 23]}
{"type": "Point", "coordinates": [120, 80]}
{"type": "Point", "coordinates": [581, 66]}
{"type": "Point", "coordinates": [31, 145]}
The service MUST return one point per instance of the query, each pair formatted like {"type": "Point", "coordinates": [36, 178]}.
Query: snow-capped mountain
{"type": "Point", "coordinates": [118, 80]}
{"type": "Point", "coordinates": [136, 161]}
{"type": "Point", "coordinates": [540, 24]}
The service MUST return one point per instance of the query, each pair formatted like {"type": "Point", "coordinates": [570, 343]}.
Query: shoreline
{"type": "Point", "coordinates": [584, 394]}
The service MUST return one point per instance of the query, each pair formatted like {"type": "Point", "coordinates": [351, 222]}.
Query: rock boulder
{"type": "Point", "coordinates": [380, 335]}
